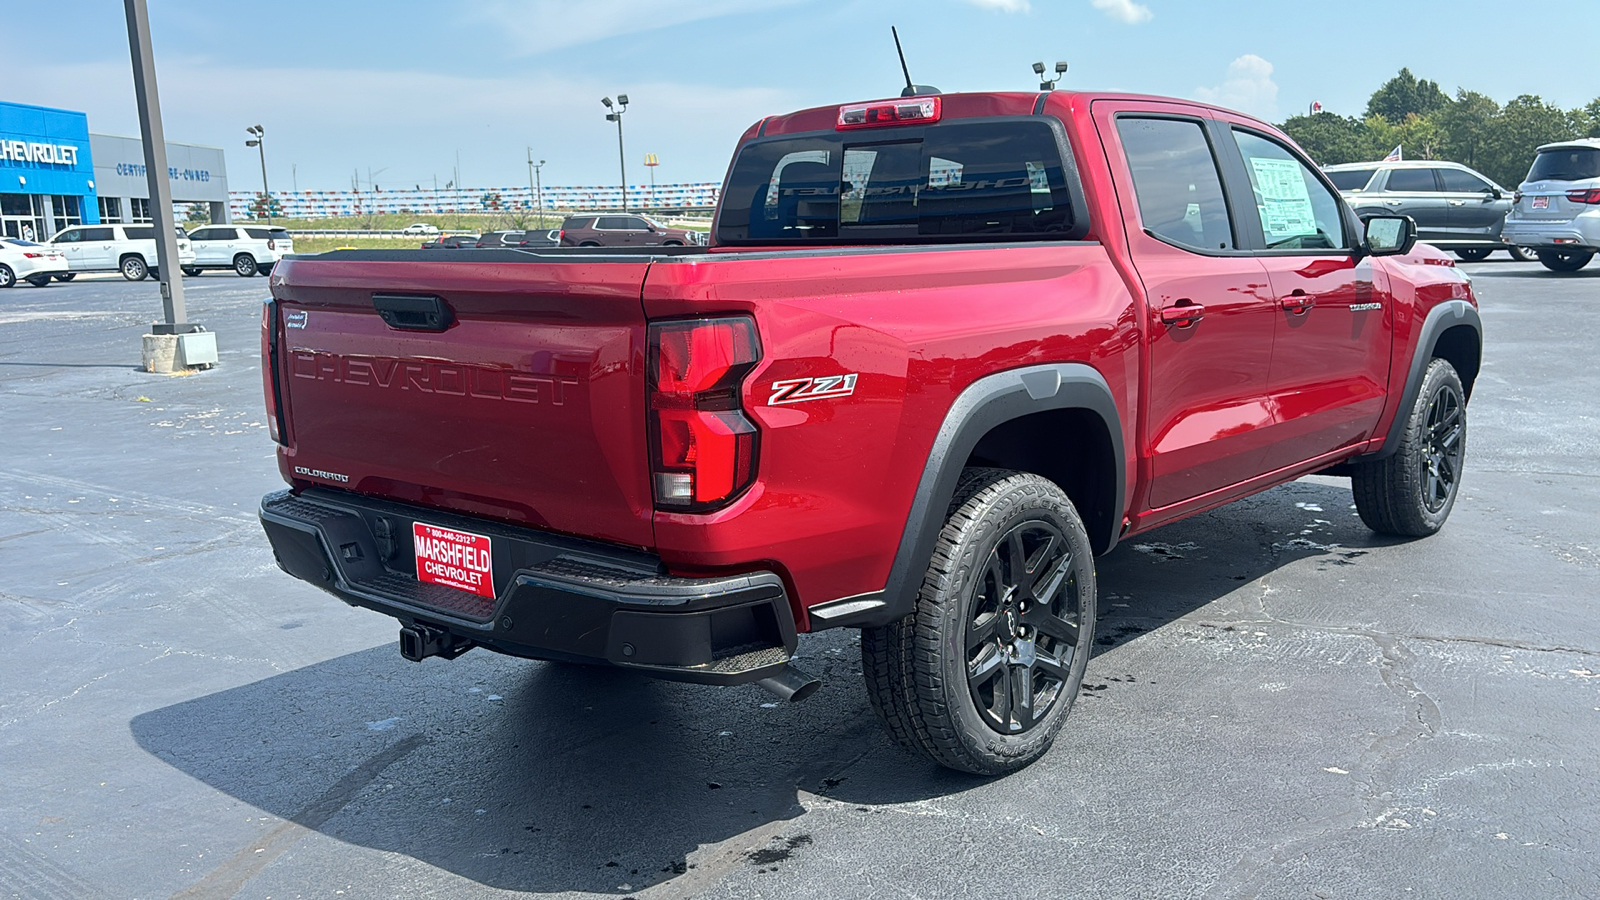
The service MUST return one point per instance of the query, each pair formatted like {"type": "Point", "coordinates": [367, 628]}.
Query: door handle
{"type": "Point", "coordinates": [1458, 203]}
{"type": "Point", "coordinates": [1392, 202]}
{"type": "Point", "coordinates": [1183, 314]}
{"type": "Point", "coordinates": [1298, 303]}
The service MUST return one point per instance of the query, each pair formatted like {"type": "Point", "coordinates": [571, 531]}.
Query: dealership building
{"type": "Point", "coordinates": [54, 174]}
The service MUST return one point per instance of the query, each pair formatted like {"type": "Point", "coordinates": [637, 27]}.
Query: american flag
{"type": "Point", "coordinates": [1394, 155]}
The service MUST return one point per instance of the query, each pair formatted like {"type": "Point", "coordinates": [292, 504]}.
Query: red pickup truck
{"type": "Point", "coordinates": [940, 352]}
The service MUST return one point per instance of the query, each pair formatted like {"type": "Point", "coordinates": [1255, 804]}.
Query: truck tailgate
{"type": "Point", "coordinates": [525, 404]}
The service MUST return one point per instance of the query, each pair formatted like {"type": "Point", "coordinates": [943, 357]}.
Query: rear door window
{"type": "Point", "coordinates": [615, 223]}
{"type": "Point", "coordinates": [1460, 182]}
{"type": "Point", "coordinates": [1176, 182]}
{"type": "Point", "coordinates": [1411, 181]}
{"type": "Point", "coordinates": [98, 234]}
{"type": "Point", "coordinates": [958, 180]}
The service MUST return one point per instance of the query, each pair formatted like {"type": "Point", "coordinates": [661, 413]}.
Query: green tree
{"type": "Point", "coordinates": [1466, 124]}
{"type": "Point", "coordinates": [1523, 124]}
{"type": "Point", "coordinates": [1405, 95]}
{"type": "Point", "coordinates": [197, 214]}
{"type": "Point", "coordinates": [1330, 139]}
{"type": "Point", "coordinates": [1586, 121]}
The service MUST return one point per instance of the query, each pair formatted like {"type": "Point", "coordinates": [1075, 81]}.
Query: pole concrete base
{"type": "Point", "coordinates": [160, 353]}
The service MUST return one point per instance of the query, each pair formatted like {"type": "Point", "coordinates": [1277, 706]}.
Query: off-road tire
{"type": "Point", "coordinates": [1474, 254]}
{"type": "Point", "coordinates": [1411, 492]}
{"type": "Point", "coordinates": [917, 669]}
{"type": "Point", "coordinates": [133, 268]}
{"type": "Point", "coordinates": [8, 278]}
{"type": "Point", "coordinates": [40, 280]}
{"type": "Point", "coordinates": [244, 265]}
{"type": "Point", "coordinates": [1565, 260]}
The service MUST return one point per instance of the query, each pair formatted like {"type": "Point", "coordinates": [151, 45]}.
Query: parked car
{"type": "Point", "coordinates": [129, 249]}
{"type": "Point", "coordinates": [34, 263]}
{"type": "Point", "coordinates": [419, 228]}
{"type": "Point", "coordinates": [919, 405]}
{"type": "Point", "coordinates": [622, 231]}
{"type": "Point", "coordinates": [1557, 210]}
{"type": "Point", "coordinates": [1455, 207]}
{"type": "Point", "coordinates": [246, 249]}
{"type": "Point", "coordinates": [452, 242]}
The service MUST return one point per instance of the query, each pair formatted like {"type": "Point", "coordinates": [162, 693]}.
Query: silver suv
{"type": "Point", "coordinates": [1557, 210]}
{"type": "Point", "coordinates": [1455, 208]}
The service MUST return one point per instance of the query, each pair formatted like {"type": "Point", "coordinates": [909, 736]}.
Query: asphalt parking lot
{"type": "Point", "coordinates": [1282, 704]}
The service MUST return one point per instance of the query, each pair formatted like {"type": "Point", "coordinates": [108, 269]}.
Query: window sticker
{"type": "Point", "coordinates": [1284, 201]}
{"type": "Point", "coordinates": [1038, 178]}
{"type": "Point", "coordinates": [943, 173]}
{"type": "Point", "coordinates": [857, 171]}
{"type": "Point", "coordinates": [770, 207]}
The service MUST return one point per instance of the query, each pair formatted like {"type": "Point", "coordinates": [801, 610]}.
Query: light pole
{"type": "Point", "coordinates": [538, 185]}
{"type": "Point", "coordinates": [622, 158]}
{"type": "Point", "coordinates": [260, 143]}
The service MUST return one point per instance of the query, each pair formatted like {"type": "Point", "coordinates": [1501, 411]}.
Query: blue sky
{"type": "Point", "coordinates": [401, 87]}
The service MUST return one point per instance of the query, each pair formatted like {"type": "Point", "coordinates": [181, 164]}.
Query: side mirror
{"type": "Point", "coordinates": [1498, 194]}
{"type": "Point", "coordinates": [1390, 235]}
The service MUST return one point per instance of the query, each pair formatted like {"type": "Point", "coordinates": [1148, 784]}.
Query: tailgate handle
{"type": "Point", "coordinates": [413, 312]}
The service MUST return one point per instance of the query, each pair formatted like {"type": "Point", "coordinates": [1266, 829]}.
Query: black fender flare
{"type": "Point", "coordinates": [1441, 318]}
{"type": "Point", "coordinates": [986, 403]}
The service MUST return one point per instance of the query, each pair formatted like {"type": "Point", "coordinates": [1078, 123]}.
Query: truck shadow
{"type": "Point", "coordinates": [549, 778]}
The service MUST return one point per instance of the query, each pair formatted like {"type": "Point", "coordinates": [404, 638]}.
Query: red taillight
{"type": "Point", "coordinates": [561, 235]}
{"type": "Point", "coordinates": [33, 255]}
{"type": "Point", "coordinates": [271, 244]}
{"type": "Point", "coordinates": [916, 111]}
{"type": "Point", "coordinates": [1516, 197]}
{"type": "Point", "coordinates": [703, 448]}
{"type": "Point", "coordinates": [1590, 196]}
{"type": "Point", "coordinates": [269, 370]}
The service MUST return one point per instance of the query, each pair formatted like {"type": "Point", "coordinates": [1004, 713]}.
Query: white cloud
{"type": "Point", "coordinates": [1248, 88]}
{"type": "Point", "coordinates": [1010, 6]}
{"type": "Point", "coordinates": [1124, 10]}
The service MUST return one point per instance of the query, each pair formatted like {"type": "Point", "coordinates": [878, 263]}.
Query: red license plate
{"type": "Point", "coordinates": [453, 558]}
{"type": "Point", "coordinates": [1541, 202]}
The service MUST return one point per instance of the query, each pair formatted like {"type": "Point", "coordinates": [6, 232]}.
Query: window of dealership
{"type": "Point", "coordinates": [54, 174]}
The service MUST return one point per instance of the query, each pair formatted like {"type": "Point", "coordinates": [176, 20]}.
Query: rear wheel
{"type": "Point", "coordinates": [190, 271]}
{"type": "Point", "coordinates": [8, 278]}
{"type": "Point", "coordinates": [982, 675]}
{"type": "Point", "coordinates": [133, 268]}
{"type": "Point", "coordinates": [40, 280]}
{"type": "Point", "coordinates": [1412, 491]}
{"type": "Point", "coordinates": [589, 244]}
{"type": "Point", "coordinates": [1474, 254]}
{"type": "Point", "coordinates": [245, 265]}
{"type": "Point", "coordinates": [66, 276]}
{"type": "Point", "coordinates": [1565, 260]}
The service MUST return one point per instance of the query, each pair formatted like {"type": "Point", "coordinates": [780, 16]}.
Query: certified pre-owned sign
{"type": "Point", "coordinates": [453, 558]}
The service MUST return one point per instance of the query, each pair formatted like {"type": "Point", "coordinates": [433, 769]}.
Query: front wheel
{"type": "Point", "coordinates": [1411, 492]}
{"type": "Point", "coordinates": [66, 276]}
{"type": "Point", "coordinates": [8, 278]}
{"type": "Point", "coordinates": [245, 265]}
{"type": "Point", "coordinates": [982, 675]}
{"type": "Point", "coordinates": [134, 269]}
{"type": "Point", "coordinates": [1565, 260]}
{"type": "Point", "coordinates": [40, 280]}
{"type": "Point", "coordinates": [1474, 254]}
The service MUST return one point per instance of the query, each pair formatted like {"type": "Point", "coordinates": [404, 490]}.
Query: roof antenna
{"type": "Point", "coordinates": [911, 90]}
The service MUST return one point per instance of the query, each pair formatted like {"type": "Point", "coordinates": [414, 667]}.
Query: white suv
{"type": "Point", "coordinates": [129, 249]}
{"type": "Point", "coordinates": [246, 249]}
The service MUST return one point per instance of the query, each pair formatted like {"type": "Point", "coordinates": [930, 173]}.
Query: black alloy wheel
{"type": "Point", "coordinates": [1565, 260]}
{"type": "Point", "coordinates": [1023, 627]}
{"type": "Point", "coordinates": [1446, 446]}
{"type": "Point", "coordinates": [1411, 491]}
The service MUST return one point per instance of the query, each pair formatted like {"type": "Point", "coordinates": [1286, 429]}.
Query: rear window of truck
{"type": "Point", "coordinates": [961, 180]}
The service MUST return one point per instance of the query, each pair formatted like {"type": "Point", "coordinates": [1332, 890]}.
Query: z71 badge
{"type": "Point", "coordinates": [798, 390]}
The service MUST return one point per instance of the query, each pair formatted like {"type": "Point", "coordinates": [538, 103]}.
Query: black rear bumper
{"type": "Point", "coordinates": [555, 597]}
